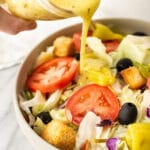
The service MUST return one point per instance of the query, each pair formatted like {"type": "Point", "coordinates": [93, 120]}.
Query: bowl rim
{"type": "Point", "coordinates": [19, 116]}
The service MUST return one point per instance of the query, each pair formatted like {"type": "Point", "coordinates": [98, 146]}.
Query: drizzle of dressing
{"type": "Point", "coordinates": [85, 9]}
{"type": "Point", "coordinates": [64, 9]}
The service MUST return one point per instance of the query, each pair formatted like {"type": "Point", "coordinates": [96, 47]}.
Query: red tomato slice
{"type": "Point", "coordinates": [53, 75]}
{"type": "Point", "coordinates": [77, 39]}
{"type": "Point", "coordinates": [111, 45]}
{"type": "Point", "coordinates": [99, 99]}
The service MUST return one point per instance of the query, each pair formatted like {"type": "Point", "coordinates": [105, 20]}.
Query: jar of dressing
{"type": "Point", "coordinates": [50, 9]}
{"type": "Point", "coordinates": [36, 9]}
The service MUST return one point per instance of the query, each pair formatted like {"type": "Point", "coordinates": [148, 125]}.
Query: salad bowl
{"type": "Point", "coordinates": [123, 26]}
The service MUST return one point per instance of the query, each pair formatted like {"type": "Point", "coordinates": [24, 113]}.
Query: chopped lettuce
{"type": "Point", "coordinates": [59, 114]}
{"type": "Point", "coordinates": [38, 126]}
{"type": "Point", "coordinates": [87, 129]}
{"type": "Point", "coordinates": [39, 103]}
{"type": "Point", "coordinates": [37, 100]}
{"type": "Point", "coordinates": [146, 99]}
{"type": "Point", "coordinates": [52, 100]}
{"type": "Point", "coordinates": [118, 131]}
{"type": "Point", "coordinates": [145, 104]}
{"type": "Point", "coordinates": [26, 109]}
{"type": "Point", "coordinates": [137, 48]}
{"type": "Point", "coordinates": [97, 47]}
{"type": "Point", "coordinates": [44, 56]}
{"type": "Point", "coordinates": [38, 108]}
{"type": "Point", "coordinates": [144, 69]}
{"type": "Point", "coordinates": [129, 95]}
{"type": "Point", "coordinates": [48, 104]}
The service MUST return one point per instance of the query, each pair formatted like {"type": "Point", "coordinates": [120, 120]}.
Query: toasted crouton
{"type": "Point", "coordinates": [63, 46]}
{"type": "Point", "coordinates": [133, 77]}
{"type": "Point", "coordinates": [60, 135]}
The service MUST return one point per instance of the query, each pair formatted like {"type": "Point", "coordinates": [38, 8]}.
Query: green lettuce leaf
{"type": "Point", "coordinates": [137, 48]}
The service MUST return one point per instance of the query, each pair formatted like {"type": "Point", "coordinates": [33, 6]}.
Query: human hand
{"type": "Point", "coordinates": [13, 25]}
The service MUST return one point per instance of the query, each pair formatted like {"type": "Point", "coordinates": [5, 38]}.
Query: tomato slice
{"type": "Point", "coordinates": [111, 45]}
{"type": "Point", "coordinates": [98, 99]}
{"type": "Point", "coordinates": [52, 75]}
{"type": "Point", "coordinates": [77, 39]}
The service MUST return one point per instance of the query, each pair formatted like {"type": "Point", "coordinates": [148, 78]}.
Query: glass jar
{"type": "Point", "coordinates": [36, 9]}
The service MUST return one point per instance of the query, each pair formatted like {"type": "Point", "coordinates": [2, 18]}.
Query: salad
{"type": "Point", "coordinates": [105, 106]}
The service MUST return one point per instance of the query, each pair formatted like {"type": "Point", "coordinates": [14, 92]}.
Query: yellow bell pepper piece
{"type": "Point", "coordinates": [138, 136]}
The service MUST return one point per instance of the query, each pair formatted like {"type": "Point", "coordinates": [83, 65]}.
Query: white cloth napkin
{"type": "Point", "coordinates": [12, 50]}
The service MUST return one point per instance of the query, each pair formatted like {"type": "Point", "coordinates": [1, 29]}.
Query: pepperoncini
{"type": "Point", "coordinates": [104, 33]}
{"type": "Point", "coordinates": [137, 136]}
{"type": "Point", "coordinates": [103, 76]}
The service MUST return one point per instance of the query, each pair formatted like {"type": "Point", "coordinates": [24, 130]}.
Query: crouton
{"type": "Point", "coordinates": [60, 135]}
{"type": "Point", "coordinates": [63, 46]}
{"type": "Point", "coordinates": [133, 77]}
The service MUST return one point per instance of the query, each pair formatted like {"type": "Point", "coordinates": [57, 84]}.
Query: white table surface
{"type": "Point", "coordinates": [11, 137]}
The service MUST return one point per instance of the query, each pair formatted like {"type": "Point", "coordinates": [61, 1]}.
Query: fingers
{"type": "Point", "coordinates": [19, 25]}
{"type": "Point", "coordinates": [14, 25]}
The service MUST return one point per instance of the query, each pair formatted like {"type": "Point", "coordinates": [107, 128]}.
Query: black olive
{"type": "Point", "coordinates": [140, 34]}
{"type": "Point", "coordinates": [45, 117]}
{"type": "Point", "coordinates": [77, 56]}
{"type": "Point", "coordinates": [123, 64]}
{"type": "Point", "coordinates": [127, 114]}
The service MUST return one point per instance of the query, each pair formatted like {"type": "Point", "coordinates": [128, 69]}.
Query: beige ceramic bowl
{"type": "Point", "coordinates": [121, 25]}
